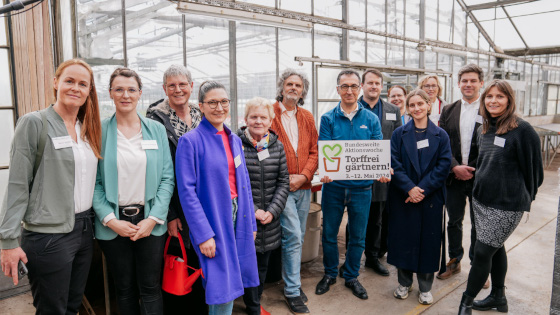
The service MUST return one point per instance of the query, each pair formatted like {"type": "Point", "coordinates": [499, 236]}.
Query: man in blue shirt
{"type": "Point", "coordinates": [347, 121]}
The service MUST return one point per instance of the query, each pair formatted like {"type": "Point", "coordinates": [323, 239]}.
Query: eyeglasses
{"type": "Point", "coordinates": [120, 91]}
{"type": "Point", "coordinates": [429, 87]}
{"type": "Point", "coordinates": [173, 87]}
{"type": "Point", "coordinates": [345, 87]}
{"type": "Point", "coordinates": [214, 104]}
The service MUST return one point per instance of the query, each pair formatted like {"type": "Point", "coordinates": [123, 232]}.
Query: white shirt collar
{"type": "Point", "coordinates": [283, 108]}
{"type": "Point", "coordinates": [477, 102]}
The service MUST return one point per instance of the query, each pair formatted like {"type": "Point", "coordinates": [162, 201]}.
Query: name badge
{"type": "Point", "coordinates": [263, 154]}
{"type": "Point", "coordinates": [363, 126]}
{"type": "Point", "coordinates": [237, 161]}
{"type": "Point", "coordinates": [391, 116]}
{"type": "Point", "coordinates": [149, 145]}
{"type": "Point", "coordinates": [422, 144]}
{"type": "Point", "coordinates": [501, 142]}
{"type": "Point", "coordinates": [62, 142]}
{"type": "Point", "coordinates": [479, 119]}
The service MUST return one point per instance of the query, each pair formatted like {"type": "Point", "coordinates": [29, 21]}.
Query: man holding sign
{"type": "Point", "coordinates": [347, 121]}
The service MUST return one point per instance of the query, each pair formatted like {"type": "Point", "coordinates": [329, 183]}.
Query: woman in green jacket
{"type": "Point", "coordinates": [53, 159]}
{"type": "Point", "coordinates": [135, 182]}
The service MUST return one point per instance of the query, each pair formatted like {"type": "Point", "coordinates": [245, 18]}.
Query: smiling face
{"type": "Point", "coordinates": [258, 121]}
{"type": "Point", "coordinates": [73, 86]}
{"type": "Point", "coordinates": [125, 93]}
{"type": "Point", "coordinates": [397, 97]}
{"type": "Point", "coordinates": [418, 108]}
{"type": "Point", "coordinates": [372, 87]}
{"type": "Point", "coordinates": [293, 89]}
{"type": "Point", "coordinates": [496, 102]}
{"type": "Point", "coordinates": [470, 86]}
{"type": "Point", "coordinates": [218, 115]}
{"type": "Point", "coordinates": [348, 96]}
{"type": "Point", "coordinates": [178, 90]}
{"type": "Point", "coordinates": [431, 87]}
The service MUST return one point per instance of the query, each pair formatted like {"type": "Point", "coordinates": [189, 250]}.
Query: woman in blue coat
{"type": "Point", "coordinates": [132, 192]}
{"type": "Point", "coordinates": [215, 194]}
{"type": "Point", "coordinates": [421, 159]}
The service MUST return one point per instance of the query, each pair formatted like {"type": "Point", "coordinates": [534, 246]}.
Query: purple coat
{"type": "Point", "coordinates": [203, 185]}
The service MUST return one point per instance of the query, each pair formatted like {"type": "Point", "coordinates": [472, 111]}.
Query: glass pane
{"type": "Point", "coordinates": [3, 182]}
{"type": "Point", "coordinates": [504, 35]}
{"type": "Point", "coordinates": [328, 8]}
{"type": "Point", "coordinates": [376, 49]}
{"type": "Point", "coordinates": [357, 46]}
{"type": "Point", "coordinates": [5, 81]}
{"type": "Point", "coordinates": [412, 18]}
{"type": "Point", "coordinates": [256, 65]}
{"type": "Point", "coordinates": [376, 15]}
{"type": "Point", "coordinates": [459, 23]}
{"type": "Point", "coordinates": [412, 57]}
{"type": "Point", "coordinates": [552, 92]}
{"type": "Point", "coordinates": [431, 20]}
{"type": "Point", "coordinates": [152, 46]}
{"type": "Point", "coordinates": [3, 31]}
{"type": "Point", "coordinates": [326, 84]}
{"type": "Point", "coordinates": [303, 6]}
{"type": "Point", "coordinates": [551, 107]}
{"type": "Point", "coordinates": [6, 135]}
{"type": "Point", "coordinates": [445, 10]}
{"type": "Point", "coordinates": [100, 30]}
{"type": "Point", "coordinates": [327, 42]}
{"type": "Point", "coordinates": [101, 76]}
{"type": "Point", "coordinates": [356, 14]}
{"type": "Point", "coordinates": [395, 52]}
{"type": "Point", "coordinates": [295, 43]}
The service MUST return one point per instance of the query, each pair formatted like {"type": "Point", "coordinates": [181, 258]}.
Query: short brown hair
{"type": "Point", "coordinates": [373, 71]}
{"type": "Point", "coordinates": [471, 67]}
{"type": "Point", "coordinates": [508, 120]}
{"type": "Point", "coordinates": [423, 95]}
{"type": "Point", "coordinates": [127, 73]}
{"type": "Point", "coordinates": [396, 87]}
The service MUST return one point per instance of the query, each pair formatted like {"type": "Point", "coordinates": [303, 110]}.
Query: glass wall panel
{"type": "Point", "coordinates": [256, 65]}
{"type": "Point", "coordinates": [445, 16]}
{"type": "Point", "coordinates": [376, 15]}
{"type": "Point", "coordinates": [395, 52]}
{"type": "Point", "coordinates": [431, 26]}
{"type": "Point", "coordinates": [294, 43]}
{"type": "Point", "coordinates": [152, 46]}
{"type": "Point", "coordinates": [412, 55]}
{"type": "Point", "coordinates": [552, 99]}
{"type": "Point", "coordinates": [101, 76]}
{"type": "Point", "coordinates": [430, 59]}
{"type": "Point", "coordinates": [5, 81]}
{"type": "Point", "coordinates": [459, 27]}
{"type": "Point", "coordinates": [533, 105]}
{"type": "Point", "coordinates": [472, 35]}
{"type": "Point", "coordinates": [303, 6]}
{"type": "Point", "coordinates": [328, 8]}
{"type": "Point", "coordinates": [357, 51]}
{"type": "Point", "coordinates": [357, 12]}
{"type": "Point", "coordinates": [326, 85]}
{"type": "Point", "coordinates": [412, 18]}
{"type": "Point", "coordinates": [3, 33]}
{"type": "Point", "coordinates": [7, 132]}
{"type": "Point", "coordinates": [376, 49]}
{"type": "Point", "coordinates": [3, 182]}
{"type": "Point", "coordinates": [327, 42]}
{"type": "Point", "coordinates": [100, 30]}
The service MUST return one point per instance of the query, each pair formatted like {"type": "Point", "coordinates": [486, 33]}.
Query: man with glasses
{"type": "Point", "coordinates": [390, 118]}
{"type": "Point", "coordinates": [179, 117]}
{"type": "Point", "coordinates": [347, 121]}
{"type": "Point", "coordinates": [461, 120]}
{"type": "Point", "coordinates": [296, 129]}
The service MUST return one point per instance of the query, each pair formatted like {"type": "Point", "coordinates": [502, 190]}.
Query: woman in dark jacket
{"type": "Point", "coordinates": [421, 158]}
{"type": "Point", "coordinates": [508, 174]}
{"type": "Point", "coordinates": [270, 184]}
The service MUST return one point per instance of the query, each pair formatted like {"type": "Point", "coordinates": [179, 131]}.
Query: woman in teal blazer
{"type": "Point", "coordinates": [134, 185]}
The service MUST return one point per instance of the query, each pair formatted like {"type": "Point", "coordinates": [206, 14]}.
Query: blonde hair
{"type": "Point", "coordinates": [257, 102]}
{"type": "Point", "coordinates": [431, 76]}
{"type": "Point", "coordinates": [422, 94]}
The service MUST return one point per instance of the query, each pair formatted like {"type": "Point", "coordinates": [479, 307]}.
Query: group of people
{"type": "Point", "coordinates": [235, 197]}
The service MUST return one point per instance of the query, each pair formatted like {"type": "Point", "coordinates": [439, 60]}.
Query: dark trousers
{"type": "Point", "coordinates": [425, 280]}
{"type": "Point", "coordinates": [457, 194]}
{"type": "Point", "coordinates": [58, 266]}
{"type": "Point", "coordinates": [487, 260]}
{"type": "Point", "coordinates": [196, 300]}
{"type": "Point", "coordinates": [376, 233]}
{"type": "Point", "coordinates": [252, 296]}
{"type": "Point", "coordinates": [136, 268]}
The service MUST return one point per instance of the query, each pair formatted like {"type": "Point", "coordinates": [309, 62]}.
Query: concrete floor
{"type": "Point", "coordinates": [529, 279]}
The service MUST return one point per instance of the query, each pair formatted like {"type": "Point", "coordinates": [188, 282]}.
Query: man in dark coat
{"type": "Point", "coordinates": [461, 120]}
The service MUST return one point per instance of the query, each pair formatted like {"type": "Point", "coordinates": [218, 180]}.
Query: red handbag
{"type": "Point", "coordinates": [176, 278]}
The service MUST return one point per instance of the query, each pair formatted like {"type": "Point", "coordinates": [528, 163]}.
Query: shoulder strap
{"type": "Point", "coordinates": [42, 142]}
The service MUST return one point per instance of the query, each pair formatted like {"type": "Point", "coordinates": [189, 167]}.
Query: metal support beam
{"type": "Point", "coordinates": [345, 42]}
{"type": "Point", "coordinates": [421, 54]}
{"type": "Point", "coordinates": [233, 73]}
{"type": "Point", "coordinates": [479, 26]}
{"type": "Point", "coordinates": [515, 27]}
{"type": "Point", "coordinates": [493, 4]}
{"type": "Point", "coordinates": [534, 51]}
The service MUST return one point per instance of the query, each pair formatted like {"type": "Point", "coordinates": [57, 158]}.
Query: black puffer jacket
{"type": "Point", "coordinates": [270, 185]}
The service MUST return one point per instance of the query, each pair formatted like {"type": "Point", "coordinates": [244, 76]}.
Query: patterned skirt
{"type": "Point", "coordinates": [494, 226]}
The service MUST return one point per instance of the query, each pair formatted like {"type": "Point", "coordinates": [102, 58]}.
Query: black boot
{"type": "Point", "coordinates": [466, 305]}
{"type": "Point", "coordinates": [496, 299]}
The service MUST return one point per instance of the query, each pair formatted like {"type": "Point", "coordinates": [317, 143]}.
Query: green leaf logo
{"type": "Point", "coordinates": [329, 152]}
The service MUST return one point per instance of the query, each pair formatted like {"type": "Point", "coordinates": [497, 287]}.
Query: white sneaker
{"type": "Point", "coordinates": [402, 292]}
{"type": "Point", "coordinates": [425, 298]}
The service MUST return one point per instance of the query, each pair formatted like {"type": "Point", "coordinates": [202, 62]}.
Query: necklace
{"type": "Point", "coordinates": [420, 130]}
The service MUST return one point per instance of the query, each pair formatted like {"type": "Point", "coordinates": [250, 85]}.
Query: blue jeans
{"type": "Point", "coordinates": [357, 201]}
{"type": "Point", "coordinates": [293, 220]}
{"type": "Point", "coordinates": [220, 309]}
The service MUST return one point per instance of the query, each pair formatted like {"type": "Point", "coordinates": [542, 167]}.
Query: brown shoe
{"type": "Point", "coordinates": [486, 284]}
{"type": "Point", "coordinates": [453, 267]}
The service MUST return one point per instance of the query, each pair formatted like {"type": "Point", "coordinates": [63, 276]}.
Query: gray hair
{"type": "Point", "coordinates": [259, 102]}
{"type": "Point", "coordinates": [208, 86]}
{"type": "Point", "coordinates": [348, 72]}
{"type": "Point", "coordinates": [286, 74]}
{"type": "Point", "coordinates": [176, 70]}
